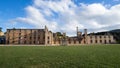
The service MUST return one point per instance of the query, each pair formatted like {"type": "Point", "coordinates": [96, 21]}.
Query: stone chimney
{"type": "Point", "coordinates": [64, 34]}
{"type": "Point", "coordinates": [85, 32]}
{"type": "Point", "coordinates": [46, 35]}
{"type": "Point", "coordinates": [77, 31]}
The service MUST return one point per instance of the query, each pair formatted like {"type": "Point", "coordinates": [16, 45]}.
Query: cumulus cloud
{"type": "Point", "coordinates": [65, 16]}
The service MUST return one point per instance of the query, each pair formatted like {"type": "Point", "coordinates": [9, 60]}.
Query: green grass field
{"type": "Point", "coordinates": [97, 56]}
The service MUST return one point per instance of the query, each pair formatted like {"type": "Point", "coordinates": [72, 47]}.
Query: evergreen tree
{"type": "Point", "coordinates": [0, 29]}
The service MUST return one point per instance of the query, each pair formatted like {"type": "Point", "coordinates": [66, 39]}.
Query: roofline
{"type": "Point", "coordinates": [25, 29]}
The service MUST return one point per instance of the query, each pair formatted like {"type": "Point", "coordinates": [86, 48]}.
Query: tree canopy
{"type": "Point", "coordinates": [0, 29]}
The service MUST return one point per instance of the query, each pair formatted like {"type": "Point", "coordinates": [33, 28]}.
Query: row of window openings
{"type": "Point", "coordinates": [19, 42]}
{"type": "Point", "coordinates": [74, 42]}
{"type": "Point", "coordinates": [96, 41]}
{"type": "Point", "coordinates": [31, 37]}
{"type": "Point", "coordinates": [26, 37]}
{"type": "Point", "coordinates": [29, 34]}
{"type": "Point", "coordinates": [69, 42]}
{"type": "Point", "coordinates": [100, 37]}
{"type": "Point", "coordinates": [34, 37]}
{"type": "Point", "coordinates": [26, 30]}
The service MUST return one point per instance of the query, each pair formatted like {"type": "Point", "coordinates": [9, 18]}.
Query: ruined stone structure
{"type": "Point", "coordinates": [29, 36]}
{"type": "Point", "coordinates": [84, 39]}
{"type": "Point", "coordinates": [2, 38]}
{"type": "Point", "coordinates": [46, 37]}
{"type": "Point", "coordinates": [1, 33]}
{"type": "Point", "coordinates": [100, 39]}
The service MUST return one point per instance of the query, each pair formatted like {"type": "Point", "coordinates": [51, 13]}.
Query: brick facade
{"type": "Point", "coordinates": [46, 37]}
{"type": "Point", "coordinates": [28, 36]}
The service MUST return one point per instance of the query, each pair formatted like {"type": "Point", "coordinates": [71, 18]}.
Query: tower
{"type": "Point", "coordinates": [77, 31]}
{"type": "Point", "coordinates": [85, 32]}
{"type": "Point", "coordinates": [79, 34]}
{"type": "Point", "coordinates": [46, 35]}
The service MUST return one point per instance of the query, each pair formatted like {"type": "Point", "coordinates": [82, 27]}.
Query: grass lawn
{"type": "Point", "coordinates": [95, 56]}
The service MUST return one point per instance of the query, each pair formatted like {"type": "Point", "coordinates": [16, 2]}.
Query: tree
{"type": "Point", "coordinates": [59, 34]}
{"type": "Point", "coordinates": [0, 29]}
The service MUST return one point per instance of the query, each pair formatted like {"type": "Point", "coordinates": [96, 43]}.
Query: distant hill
{"type": "Point", "coordinates": [116, 34]}
{"type": "Point", "coordinates": [116, 30]}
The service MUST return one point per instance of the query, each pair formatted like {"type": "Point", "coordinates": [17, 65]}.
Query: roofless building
{"type": "Point", "coordinates": [46, 37]}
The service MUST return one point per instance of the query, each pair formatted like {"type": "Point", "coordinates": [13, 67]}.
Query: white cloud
{"type": "Point", "coordinates": [94, 9]}
{"type": "Point", "coordinates": [65, 16]}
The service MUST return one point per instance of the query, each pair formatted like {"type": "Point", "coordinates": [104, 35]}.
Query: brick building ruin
{"type": "Point", "coordinates": [46, 37]}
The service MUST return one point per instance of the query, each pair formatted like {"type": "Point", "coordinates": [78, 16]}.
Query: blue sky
{"type": "Point", "coordinates": [10, 9]}
{"type": "Point", "coordinates": [95, 15]}
{"type": "Point", "coordinates": [111, 2]}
